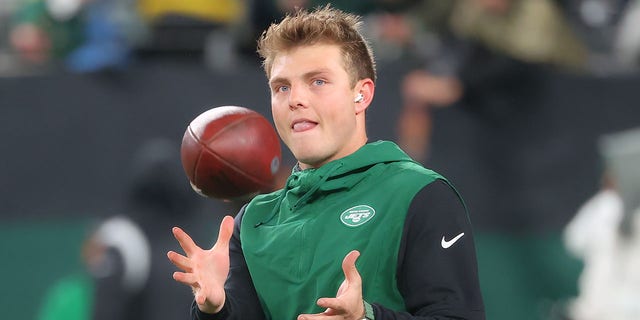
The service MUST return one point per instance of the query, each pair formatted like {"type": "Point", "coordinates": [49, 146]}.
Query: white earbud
{"type": "Point", "coordinates": [359, 98]}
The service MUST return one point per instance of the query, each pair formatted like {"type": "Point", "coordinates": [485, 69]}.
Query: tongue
{"type": "Point", "coordinates": [302, 126]}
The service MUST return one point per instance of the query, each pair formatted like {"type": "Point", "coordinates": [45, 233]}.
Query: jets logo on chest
{"type": "Point", "coordinates": [357, 216]}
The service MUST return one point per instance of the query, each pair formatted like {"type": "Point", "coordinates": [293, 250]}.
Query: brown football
{"type": "Point", "coordinates": [230, 152]}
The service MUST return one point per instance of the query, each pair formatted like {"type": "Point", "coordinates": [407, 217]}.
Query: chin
{"type": "Point", "coordinates": [310, 154]}
{"type": "Point", "coordinates": [309, 160]}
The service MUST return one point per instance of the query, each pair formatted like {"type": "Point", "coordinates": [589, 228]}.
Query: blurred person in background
{"type": "Point", "coordinates": [533, 31]}
{"type": "Point", "coordinates": [605, 235]}
{"type": "Point", "coordinates": [113, 29]}
{"type": "Point", "coordinates": [40, 31]}
{"type": "Point", "coordinates": [488, 57]}
{"type": "Point", "coordinates": [128, 266]}
{"type": "Point", "coordinates": [81, 35]}
{"type": "Point", "coordinates": [607, 29]}
{"type": "Point", "coordinates": [70, 297]}
{"type": "Point", "coordinates": [125, 253]}
{"type": "Point", "coordinates": [627, 39]}
{"type": "Point", "coordinates": [592, 237]}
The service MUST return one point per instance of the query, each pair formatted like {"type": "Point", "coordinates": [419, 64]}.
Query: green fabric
{"type": "Point", "coordinates": [525, 276]}
{"type": "Point", "coordinates": [304, 231]}
{"type": "Point", "coordinates": [65, 36]}
{"type": "Point", "coordinates": [71, 298]}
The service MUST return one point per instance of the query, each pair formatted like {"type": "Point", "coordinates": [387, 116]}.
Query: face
{"type": "Point", "coordinates": [312, 101]}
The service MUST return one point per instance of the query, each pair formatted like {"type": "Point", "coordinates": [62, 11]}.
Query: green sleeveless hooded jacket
{"type": "Point", "coordinates": [294, 240]}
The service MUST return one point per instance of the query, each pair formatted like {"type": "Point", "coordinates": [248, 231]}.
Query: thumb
{"type": "Point", "coordinates": [226, 230]}
{"type": "Point", "coordinates": [349, 266]}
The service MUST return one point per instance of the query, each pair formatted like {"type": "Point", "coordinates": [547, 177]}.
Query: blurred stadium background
{"type": "Point", "coordinates": [67, 137]}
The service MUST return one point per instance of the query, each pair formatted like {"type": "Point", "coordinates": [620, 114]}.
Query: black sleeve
{"type": "Point", "coordinates": [241, 298]}
{"type": "Point", "coordinates": [437, 274]}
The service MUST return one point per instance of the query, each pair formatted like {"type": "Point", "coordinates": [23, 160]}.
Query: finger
{"type": "Point", "coordinates": [226, 230]}
{"type": "Point", "coordinates": [180, 261]}
{"type": "Point", "coordinates": [334, 305]}
{"type": "Point", "coordinates": [185, 278]}
{"type": "Point", "coordinates": [200, 298]}
{"type": "Point", "coordinates": [316, 316]}
{"type": "Point", "coordinates": [185, 241]}
{"type": "Point", "coordinates": [349, 266]}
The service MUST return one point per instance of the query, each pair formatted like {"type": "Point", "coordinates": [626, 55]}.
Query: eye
{"type": "Point", "coordinates": [319, 82]}
{"type": "Point", "coordinates": [282, 88]}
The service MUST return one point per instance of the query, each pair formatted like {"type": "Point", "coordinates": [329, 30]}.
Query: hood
{"type": "Point", "coordinates": [336, 174]}
{"type": "Point", "coordinates": [305, 185]}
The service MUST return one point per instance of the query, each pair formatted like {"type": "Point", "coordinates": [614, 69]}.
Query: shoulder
{"type": "Point", "coordinates": [437, 191]}
{"type": "Point", "coordinates": [264, 199]}
{"type": "Point", "coordinates": [410, 169]}
{"type": "Point", "coordinates": [259, 208]}
{"type": "Point", "coordinates": [438, 201]}
{"type": "Point", "coordinates": [407, 176]}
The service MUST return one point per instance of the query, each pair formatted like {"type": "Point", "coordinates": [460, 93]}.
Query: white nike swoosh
{"type": "Point", "coordinates": [446, 244]}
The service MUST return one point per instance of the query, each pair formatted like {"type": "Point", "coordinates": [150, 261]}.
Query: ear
{"type": "Point", "coordinates": [366, 88]}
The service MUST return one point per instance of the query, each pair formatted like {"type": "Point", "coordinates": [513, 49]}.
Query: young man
{"type": "Point", "coordinates": [360, 231]}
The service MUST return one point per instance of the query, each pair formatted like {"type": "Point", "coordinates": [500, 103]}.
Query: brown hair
{"type": "Point", "coordinates": [322, 25]}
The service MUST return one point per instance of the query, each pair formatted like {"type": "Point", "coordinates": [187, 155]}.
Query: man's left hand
{"type": "Point", "coordinates": [348, 303]}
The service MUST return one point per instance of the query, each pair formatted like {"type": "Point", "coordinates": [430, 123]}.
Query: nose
{"type": "Point", "coordinates": [297, 97]}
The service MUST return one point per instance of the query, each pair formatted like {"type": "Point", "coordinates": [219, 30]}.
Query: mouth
{"type": "Point", "coordinates": [303, 125]}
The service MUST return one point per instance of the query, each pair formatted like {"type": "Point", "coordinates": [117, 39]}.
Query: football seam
{"type": "Point", "coordinates": [232, 166]}
{"type": "Point", "coordinates": [228, 127]}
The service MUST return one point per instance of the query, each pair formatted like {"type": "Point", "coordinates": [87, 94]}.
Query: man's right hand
{"type": "Point", "coordinates": [205, 271]}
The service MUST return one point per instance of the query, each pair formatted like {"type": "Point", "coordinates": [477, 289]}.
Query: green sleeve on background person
{"type": "Point", "coordinates": [29, 12]}
{"type": "Point", "coordinates": [65, 36]}
{"type": "Point", "coordinates": [70, 298]}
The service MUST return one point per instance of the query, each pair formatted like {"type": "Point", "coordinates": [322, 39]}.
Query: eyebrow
{"type": "Point", "coordinates": [307, 75]}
